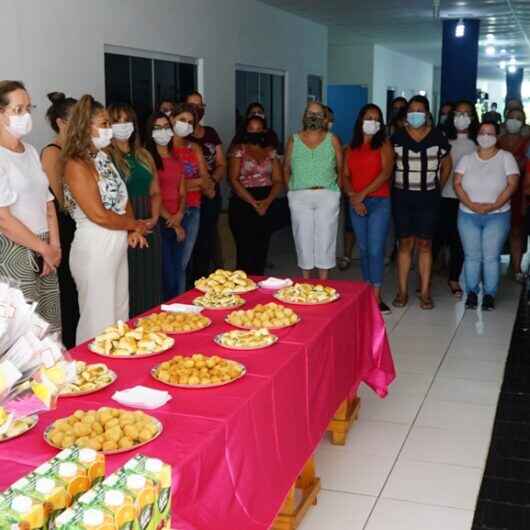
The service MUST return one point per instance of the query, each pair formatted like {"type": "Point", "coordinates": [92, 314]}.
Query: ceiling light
{"type": "Point", "coordinates": [502, 65]}
{"type": "Point", "coordinates": [460, 29]}
{"type": "Point", "coordinates": [490, 51]}
{"type": "Point", "coordinates": [503, 51]}
{"type": "Point", "coordinates": [490, 36]}
{"type": "Point", "coordinates": [512, 69]}
{"type": "Point", "coordinates": [513, 62]}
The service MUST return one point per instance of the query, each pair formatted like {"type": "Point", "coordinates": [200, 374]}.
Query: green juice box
{"type": "Point", "coordinates": [20, 512]}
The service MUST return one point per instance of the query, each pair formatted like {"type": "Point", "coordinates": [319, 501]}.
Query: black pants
{"type": "Point", "coordinates": [447, 235]}
{"type": "Point", "coordinates": [251, 231]}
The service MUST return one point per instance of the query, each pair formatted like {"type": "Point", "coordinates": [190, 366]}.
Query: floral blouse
{"type": "Point", "coordinates": [112, 189]}
{"type": "Point", "coordinates": [254, 173]}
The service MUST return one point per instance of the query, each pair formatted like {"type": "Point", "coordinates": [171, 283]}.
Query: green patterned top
{"type": "Point", "coordinates": [140, 178]}
{"type": "Point", "coordinates": [312, 168]}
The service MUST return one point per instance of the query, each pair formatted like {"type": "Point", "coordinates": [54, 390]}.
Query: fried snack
{"type": "Point", "coordinates": [18, 427]}
{"type": "Point", "coordinates": [90, 377]}
{"type": "Point", "coordinates": [122, 341]}
{"type": "Point", "coordinates": [198, 370]}
{"type": "Point", "coordinates": [246, 340]}
{"type": "Point", "coordinates": [268, 316]}
{"type": "Point", "coordinates": [174, 322]}
{"type": "Point", "coordinates": [106, 429]}
{"type": "Point", "coordinates": [226, 282]}
{"type": "Point", "coordinates": [305, 293]}
{"type": "Point", "coordinates": [214, 300]}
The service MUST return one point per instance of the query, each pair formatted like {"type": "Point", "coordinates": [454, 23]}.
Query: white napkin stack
{"type": "Point", "coordinates": [275, 283]}
{"type": "Point", "coordinates": [181, 308]}
{"type": "Point", "coordinates": [142, 397]}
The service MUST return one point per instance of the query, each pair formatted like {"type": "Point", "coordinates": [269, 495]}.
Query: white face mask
{"type": "Point", "coordinates": [462, 122]}
{"type": "Point", "coordinates": [19, 126]}
{"type": "Point", "coordinates": [162, 136]}
{"type": "Point", "coordinates": [122, 131]}
{"type": "Point", "coordinates": [103, 139]}
{"type": "Point", "coordinates": [513, 126]}
{"type": "Point", "coordinates": [167, 113]}
{"type": "Point", "coordinates": [182, 129]}
{"type": "Point", "coordinates": [371, 127]}
{"type": "Point", "coordinates": [486, 140]}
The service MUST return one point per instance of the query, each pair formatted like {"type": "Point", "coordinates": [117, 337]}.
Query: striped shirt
{"type": "Point", "coordinates": [418, 163]}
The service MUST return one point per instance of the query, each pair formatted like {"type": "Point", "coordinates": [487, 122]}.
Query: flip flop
{"type": "Point", "coordinates": [401, 300]}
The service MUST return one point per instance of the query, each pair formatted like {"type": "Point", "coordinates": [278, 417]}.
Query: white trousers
{"type": "Point", "coordinates": [98, 261]}
{"type": "Point", "coordinates": [315, 220]}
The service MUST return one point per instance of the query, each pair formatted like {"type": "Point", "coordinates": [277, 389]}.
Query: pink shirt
{"type": "Point", "coordinates": [253, 173]}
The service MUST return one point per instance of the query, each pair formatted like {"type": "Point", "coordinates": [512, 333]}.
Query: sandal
{"type": "Point", "coordinates": [344, 263]}
{"type": "Point", "coordinates": [426, 303]}
{"type": "Point", "coordinates": [455, 291]}
{"type": "Point", "coordinates": [401, 300]}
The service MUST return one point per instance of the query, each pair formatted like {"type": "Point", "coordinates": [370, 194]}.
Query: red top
{"type": "Point", "coordinates": [169, 178]}
{"type": "Point", "coordinates": [365, 165]}
{"type": "Point", "coordinates": [189, 168]}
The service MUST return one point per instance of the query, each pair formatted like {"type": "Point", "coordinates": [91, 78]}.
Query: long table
{"type": "Point", "coordinates": [236, 450]}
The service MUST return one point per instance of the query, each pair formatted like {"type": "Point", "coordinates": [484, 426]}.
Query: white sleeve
{"type": "Point", "coordinates": [8, 197]}
{"type": "Point", "coordinates": [50, 197]}
{"type": "Point", "coordinates": [461, 167]}
{"type": "Point", "coordinates": [510, 164]}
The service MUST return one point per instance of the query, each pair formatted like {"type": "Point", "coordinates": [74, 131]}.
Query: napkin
{"type": "Point", "coordinates": [142, 397]}
{"type": "Point", "coordinates": [181, 308]}
{"type": "Point", "coordinates": [275, 283]}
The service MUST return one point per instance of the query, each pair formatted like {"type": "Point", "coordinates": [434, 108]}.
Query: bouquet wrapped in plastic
{"type": "Point", "coordinates": [34, 365]}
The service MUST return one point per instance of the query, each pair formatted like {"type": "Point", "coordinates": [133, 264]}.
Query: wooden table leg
{"type": "Point", "coordinates": [293, 512]}
{"type": "Point", "coordinates": [340, 425]}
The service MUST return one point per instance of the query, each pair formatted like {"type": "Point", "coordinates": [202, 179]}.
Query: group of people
{"type": "Point", "coordinates": [113, 218]}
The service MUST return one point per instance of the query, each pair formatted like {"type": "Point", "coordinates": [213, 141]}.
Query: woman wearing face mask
{"type": "Point", "coordinates": [271, 138]}
{"type": "Point", "coordinates": [422, 169]}
{"type": "Point", "coordinates": [312, 164]}
{"type": "Point", "coordinates": [366, 181]}
{"type": "Point", "coordinates": [207, 255]}
{"type": "Point", "coordinates": [167, 107]}
{"type": "Point", "coordinates": [462, 133]}
{"type": "Point", "coordinates": [30, 249]}
{"type": "Point", "coordinates": [159, 142]}
{"type": "Point", "coordinates": [195, 171]}
{"type": "Point", "coordinates": [139, 173]}
{"type": "Point", "coordinates": [443, 117]}
{"type": "Point", "coordinates": [484, 183]}
{"type": "Point", "coordinates": [398, 116]}
{"type": "Point", "coordinates": [58, 114]}
{"type": "Point", "coordinates": [97, 199]}
{"type": "Point", "coordinates": [256, 177]}
{"type": "Point", "coordinates": [516, 143]}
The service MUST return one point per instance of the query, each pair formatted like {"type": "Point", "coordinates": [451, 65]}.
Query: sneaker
{"type": "Point", "coordinates": [488, 303]}
{"type": "Point", "coordinates": [471, 301]}
{"type": "Point", "coordinates": [385, 310]}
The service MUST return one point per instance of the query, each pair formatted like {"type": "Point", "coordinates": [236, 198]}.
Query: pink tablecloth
{"type": "Point", "coordinates": [236, 450]}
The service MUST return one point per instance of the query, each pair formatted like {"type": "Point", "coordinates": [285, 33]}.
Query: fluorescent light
{"type": "Point", "coordinates": [503, 51]}
{"type": "Point", "coordinates": [512, 69]}
{"type": "Point", "coordinates": [490, 36]}
{"type": "Point", "coordinates": [460, 29]}
{"type": "Point", "coordinates": [490, 51]}
{"type": "Point", "coordinates": [502, 65]}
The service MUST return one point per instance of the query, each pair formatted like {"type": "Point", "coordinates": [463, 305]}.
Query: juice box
{"type": "Point", "coordinates": [89, 519]}
{"type": "Point", "coordinates": [152, 469]}
{"type": "Point", "coordinates": [20, 512]}
{"type": "Point", "coordinates": [91, 460]}
{"type": "Point", "coordinates": [73, 475]}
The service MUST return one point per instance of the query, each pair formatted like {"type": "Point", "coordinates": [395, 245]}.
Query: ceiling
{"type": "Point", "coordinates": [409, 26]}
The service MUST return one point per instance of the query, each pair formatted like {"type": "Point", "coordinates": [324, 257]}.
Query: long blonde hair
{"type": "Point", "coordinates": [135, 148]}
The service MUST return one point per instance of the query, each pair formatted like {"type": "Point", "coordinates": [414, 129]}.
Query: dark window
{"type": "Point", "coordinates": [267, 89]}
{"type": "Point", "coordinates": [314, 88]}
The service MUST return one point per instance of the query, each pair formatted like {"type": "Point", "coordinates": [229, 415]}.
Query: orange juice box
{"type": "Point", "coordinates": [20, 512]}
{"type": "Point", "coordinates": [91, 460]}
{"type": "Point", "coordinates": [76, 518]}
{"type": "Point", "coordinates": [159, 474]}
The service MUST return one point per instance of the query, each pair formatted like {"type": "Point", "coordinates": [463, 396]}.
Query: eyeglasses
{"type": "Point", "coordinates": [20, 110]}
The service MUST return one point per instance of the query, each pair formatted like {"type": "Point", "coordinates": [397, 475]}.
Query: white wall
{"type": "Point", "coordinates": [59, 45]}
{"type": "Point", "coordinates": [496, 90]}
{"type": "Point", "coordinates": [405, 74]}
{"type": "Point", "coordinates": [351, 65]}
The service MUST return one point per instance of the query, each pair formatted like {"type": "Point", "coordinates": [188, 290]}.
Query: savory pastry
{"type": "Point", "coordinates": [268, 316]}
{"type": "Point", "coordinates": [174, 322]}
{"type": "Point", "coordinates": [122, 341]}
{"type": "Point", "coordinates": [306, 293]}
{"type": "Point", "coordinates": [246, 340]}
{"type": "Point", "coordinates": [90, 377]}
{"type": "Point", "coordinates": [105, 429]}
{"type": "Point", "coordinates": [226, 282]}
{"type": "Point", "coordinates": [198, 370]}
{"type": "Point", "coordinates": [19, 427]}
{"type": "Point", "coordinates": [214, 300]}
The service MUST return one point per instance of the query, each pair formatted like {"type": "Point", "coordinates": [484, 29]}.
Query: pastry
{"type": "Point", "coordinates": [214, 300]}
{"type": "Point", "coordinates": [306, 293]}
{"type": "Point", "coordinates": [239, 339]}
{"type": "Point", "coordinates": [267, 316]}
{"type": "Point", "coordinates": [174, 322]}
{"type": "Point", "coordinates": [226, 282]}
{"type": "Point", "coordinates": [90, 377]}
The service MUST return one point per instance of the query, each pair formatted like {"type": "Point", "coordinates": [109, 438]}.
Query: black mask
{"type": "Point", "coordinates": [200, 113]}
{"type": "Point", "coordinates": [255, 138]}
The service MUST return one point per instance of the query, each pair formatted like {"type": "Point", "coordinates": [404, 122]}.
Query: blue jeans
{"type": "Point", "coordinates": [483, 237]}
{"type": "Point", "coordinates": [191, 224]}
{"type": "Point", "coordinates": [372, 232]}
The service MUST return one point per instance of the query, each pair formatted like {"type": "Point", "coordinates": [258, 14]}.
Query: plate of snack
{"type": "Point", "coordinates": [226, 282]}
{"type": "Point", "coordinates": [174, 323]}
{"type": "Point", "coordinates": [198, 371]}
{"type": "Point", "coordinates": [239, 339]}
{"type": "Point", "coordinates": [307, 294]}
{"type": "Point", "coordinates": [264, 316]}
{"type": "Point", "coordinates": [107, 430]}
{"type": "Point", "coordinates": [19, 427]}
{"type": "Point", "coordinates": [216, 301]}
{"type": "Point", "coordinates": [121, 341]}
{"type": "Point", "coordinates": [90, 378]}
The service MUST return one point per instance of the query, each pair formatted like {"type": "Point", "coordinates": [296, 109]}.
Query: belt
{"type": "Point", "coordinates": [316, 188]}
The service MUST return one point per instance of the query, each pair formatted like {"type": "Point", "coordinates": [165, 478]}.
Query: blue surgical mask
{"type": "Point", "coordinates": [416, 119]}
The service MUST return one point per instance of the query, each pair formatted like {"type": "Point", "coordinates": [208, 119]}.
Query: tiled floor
{"type": "Point", "coordinates": [415, 460]}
